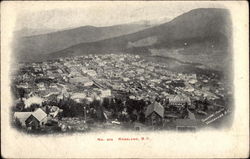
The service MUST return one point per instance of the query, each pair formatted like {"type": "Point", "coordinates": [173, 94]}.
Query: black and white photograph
{"type": "Point", "coordinates": [130, 67]}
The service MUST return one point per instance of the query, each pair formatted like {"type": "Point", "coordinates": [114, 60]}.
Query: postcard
{"type": "Point", "coordinates": [124, 79]}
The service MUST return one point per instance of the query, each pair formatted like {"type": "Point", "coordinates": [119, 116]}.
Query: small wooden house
{"type": "Point", "coordinates": [139, 126]}
{"type": "Point", "coordinates": [187, 124]}
{"type": "Point", "coordinates": [37, 119]}
{"type": "Point", "coordinates": [154, 114]}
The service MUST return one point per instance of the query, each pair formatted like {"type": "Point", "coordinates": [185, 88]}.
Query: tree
{"type": "Point", "coordinates": [21, 93]}
{"type": "Point", "coordinates": [20, 106]}
{"type": "Point", "coordinates": [33, 107]}
{"type": "Point", "coordinates": [17, 123]}
{"type": "Point", "coordinates": [47, 109]}
{"type": "Point", "coordinates": [205, 103]}
{"type": "Point", "coordinates": [106, 103]}
{"type": "Point", "coordinates": [133, 117]}
{"type": "Point", "coordinates": [142, 117]}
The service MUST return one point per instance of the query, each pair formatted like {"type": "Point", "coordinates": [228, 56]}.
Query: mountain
{"type": "Point", "coordinates": [37, 45]}
{"type": "Point", "coordinates": [24, 32]}
{"type": "Point", "coordinates": [199, 36]}
{"type": "Point", "coordinates": [203, 32]}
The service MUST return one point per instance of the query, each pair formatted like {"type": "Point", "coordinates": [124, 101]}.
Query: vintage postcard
{"type": "Point", "coordinates": [124, 79]}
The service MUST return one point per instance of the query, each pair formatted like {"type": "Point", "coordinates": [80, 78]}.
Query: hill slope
{"type": "Point", "coordinates": [37, 45]}
{"type": "Point", "coordinates": [200, 26]}
{"type": "Point", "coordinates": [25, 32]}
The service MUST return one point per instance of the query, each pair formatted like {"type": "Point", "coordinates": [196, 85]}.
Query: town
{"type": "Point", "coordinates": [100, 92]}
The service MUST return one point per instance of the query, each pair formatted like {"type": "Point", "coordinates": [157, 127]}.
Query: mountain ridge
{"type": "Point", "coordinates": [200, 31]}
{"type": "Point", "coordinates": [46, 43]}
{"type": "Point", "coordinates": [166, 32]}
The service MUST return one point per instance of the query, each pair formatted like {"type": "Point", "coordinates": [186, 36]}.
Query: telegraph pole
{"type": "Point", "coordinates": [84, 114]}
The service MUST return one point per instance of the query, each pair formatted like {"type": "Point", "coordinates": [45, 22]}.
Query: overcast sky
{"type": "Point", "coordinates": [62, 15]}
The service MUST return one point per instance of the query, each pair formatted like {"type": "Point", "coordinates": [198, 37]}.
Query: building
{"type": "Point", "coordinates": [140, 70]}
{"type": "Point", "coordinates": [54, 111]}
{"type": "Point", "coordinates": [23, 85]}
{"type": "Point", "coordinates": [179, 100]}
{"type": "Point", "coordinates": [37, 119]}
{"type": "Point", "coordinates": [33, 100]}
{"type": "Point", "coordinates": [191, 115]}
{"type": "Point", "coordinates": [22, 117]}
{"type": "Point", "coordinates": [78, 97]}
{"type": "Point", "coordinates": [87, 83]}
{"type": "Point", "coordinates": [139, 126]}
{"type": "Point", "coordinates": [41, 86]}
{"type": "Point", "coordinates": [91, 73]}
{"type": "Point", "coordinates": [150, 68]}
{"type": "Point", "coordinates": [192, 81]}
{"type": "Point", "coordinates": [125, 79]}
{"type": "Point", "coordinates": [186, 124]}
{"type": "Point", "coordinates": [81, 80]}
{"type": "Point", "coordinates": [31, 119]}
{"type": "Point", "coordinates": [105, 93]}
{"type": "Point", "coordinates": [154, 114]}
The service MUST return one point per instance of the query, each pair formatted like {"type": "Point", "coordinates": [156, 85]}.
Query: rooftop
{"type": "Point", "coordinates": [155, 107]}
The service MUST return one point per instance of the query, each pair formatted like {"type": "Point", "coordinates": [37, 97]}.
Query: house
{"type": "Point", "coordinates": [49, 73]}
{"type": "Point", "coordinates": [150, 68]}
{"type": "Point", "coordinates": [186, 124]}
{"type": "Point", "coordinates": [22, 117]}
{"type": "Point", "coordinates": [78, 97]}
{"type": "Point", "coordinates": [105, 93]}
{"type": "Point", "coordinates": [139, 126]}
{"type": "Point", "coordinates": [23, 85]}
{"type": "Point", "coordinates": [53, 85]}
{"type": "Point", "coordinates": [31, 119]}
{"type": "Point", "coordinates": [81, 80]}
{"type": "Point", "coordinates": [205, 88]}
{"type": "Point", "coordinates": [154, 114]}
{"type": "Point", "coordinates": [87, 83]}
{"type": "Point", "coordinates": [107, 114]}
{"type": "Point", "coordinates": [33, 100]}
{"type": "Point", "coordinates": [191, 115]}
{"type": "Point", "coordinates": [189, 89]}
{"type": "Point", "coordinates": [125, 79]}
{"type": "Point", "coordinates": [156, 80]}
{"type": "Point", "coordinates": [142, 78]}
{"type": "Point", "coordinates": [41, 86]}
{"type": "Point", "coordinates": [54, 111]}
{"type": "Point", "coordinates": [37, 119]}
{"type": "Point", "coordinates": [179, 100]}
{"type": "Point", "coordinates": [89, 99]}
{"type": "Point", "coordinates": [91, 73]}
{"type": "Point", "coordinates": [59, 71]}
{"type": "Point", "coordinates": [140, 70]}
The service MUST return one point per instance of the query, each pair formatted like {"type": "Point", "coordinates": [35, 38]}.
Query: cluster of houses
{"type": "Point", "coordinates": [156, 115]}
{"type": "Point", "coordinates": [156, 118]}
{"type": "Point", "coordinates": [95, 77]}
{"type": "Point", "coordinates": [31, 120]}
{"type": "Point", "coordinates": [124, 72]}
{"type": "Point", "coordinates": [36, 119]}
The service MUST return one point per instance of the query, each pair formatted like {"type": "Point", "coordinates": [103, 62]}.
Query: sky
{"type": "Point", "coordinates": [63, 15]}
